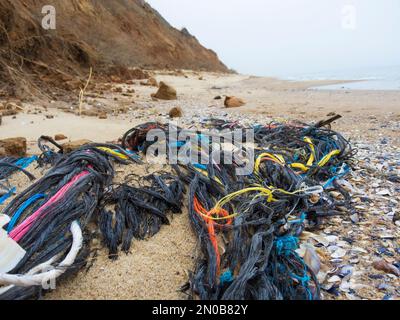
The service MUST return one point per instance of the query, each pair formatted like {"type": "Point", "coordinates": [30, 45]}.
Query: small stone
{"type": "Point", "coordinates": [103, 115]}
{"type": "Point", "coordinates": [73, 145]}
{"type": "Point", "coordinates": [59, 137]}
{"type": "Point", "coordinates": [354, 218]}
{"type": "Point", "coordinates": [166, 92]}
{"type": "Point", "coordinates": [151, 82]}
{"type": "Point", "coordinates": [233, 102]}
{"type": "Point", "coordinates": [176, 112]}
{"type": "Point", "coordinates": [14, 146]}
{"type": "Point", "coordinates": [49, 116]}
{"type": "Point", "coordinates": [115, 79]}
{"type": "Point", "coordinates": [89, 113]}
{"type": "Point", "coordinates": [384, 266]}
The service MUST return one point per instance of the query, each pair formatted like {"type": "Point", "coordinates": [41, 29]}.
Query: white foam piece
{"type": "Point", "coordinates": [10, 251]}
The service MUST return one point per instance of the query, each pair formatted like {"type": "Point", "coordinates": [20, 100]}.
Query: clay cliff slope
{"type": "Point", "coordinates": [96, 33]}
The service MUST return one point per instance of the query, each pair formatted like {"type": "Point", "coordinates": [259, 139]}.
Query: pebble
{"type": "Point", "coordinates": [354, 218]}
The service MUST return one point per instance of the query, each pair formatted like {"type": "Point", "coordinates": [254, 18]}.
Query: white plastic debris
{"type": "Point", "coordinates": [10, 252]}
{"type": "Point", "coordinates": [32, 278]}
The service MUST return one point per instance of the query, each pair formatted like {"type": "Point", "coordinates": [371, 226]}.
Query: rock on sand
{"type": "Point", "coordinates": [233, 102]}
{"type": "Point", "coordinates": [166, 92]}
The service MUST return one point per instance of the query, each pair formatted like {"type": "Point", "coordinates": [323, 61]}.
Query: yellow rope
{"type": "Point", "coordinates": [312, 156]}
{"type": "Point", "coordinates": [328, 157]}
{"type": "Point", "coordinates": [277, 158]}
{"type": "Point", "coordinates": [311, 160]}
{"type": "Point", "coordinates": [268, 192]}
{"type": "Point", "coordinates": [113, 152]}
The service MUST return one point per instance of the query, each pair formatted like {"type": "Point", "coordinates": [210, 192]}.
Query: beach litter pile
{"type": "Point", "coordinates": [250, 227]}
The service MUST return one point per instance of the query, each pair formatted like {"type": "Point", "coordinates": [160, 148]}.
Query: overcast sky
{"type": "Point", "coordinates": [285, 37]}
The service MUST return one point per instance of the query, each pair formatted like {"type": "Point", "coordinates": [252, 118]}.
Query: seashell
{"type": "Point", "coordinates": [312, 259]}
{"type": "Point", "coordinates": [334, 279]}
{"type": "Point", "coordinates": [346, 271]}
{"type": "Point", "coordinates": [339, 253]}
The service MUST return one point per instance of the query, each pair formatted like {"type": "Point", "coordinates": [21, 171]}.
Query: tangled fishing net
{"type": "Point", "coordinates": [248, 226]}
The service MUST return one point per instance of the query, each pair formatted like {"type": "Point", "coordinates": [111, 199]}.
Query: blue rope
{"type": "Point", "coordinates": [7, 195]}
{"type": "Point", "coordinates": [226, 277]}
{"type": "Point", "coordinates": [305, 278]}
{"type": "Point", "coordinates": [179, 144]}
{"type": "Point", "coordinates": [21, 209]}
{"type": "Point", "coordinates": [23, 163]}
{"type": "Point", "coordinates": [300, 220]}
{"type": "Point", "coordinates": [286, 244]}
{"type": "Point", "coordinates": [200, 166]}
{"type": "Point", "coordinates": [131, 153]}
{"type": "Point", "coordinates": [26, 162]}
{"type": "Point", "coordinates": [346, 170]}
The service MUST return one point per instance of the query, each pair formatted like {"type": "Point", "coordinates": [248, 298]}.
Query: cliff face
{"type": "Point", "coordinates": [132, 32]}
{"type": "Point", "coordinates": [121, 31]}
{"type": "Point", "coordinates": [94, 32]}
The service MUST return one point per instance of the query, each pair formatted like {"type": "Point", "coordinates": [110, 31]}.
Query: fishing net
{"type": "Point", "coordinates": [248, 225]}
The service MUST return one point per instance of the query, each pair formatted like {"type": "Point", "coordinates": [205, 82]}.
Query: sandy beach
{"type": "Point", "coordinates": [266, 98]}
{"type": "Point", "coordinates": [158, 267]}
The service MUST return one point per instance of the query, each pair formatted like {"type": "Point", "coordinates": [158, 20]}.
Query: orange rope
{"type": "Point", "coordinates": [202, 212]}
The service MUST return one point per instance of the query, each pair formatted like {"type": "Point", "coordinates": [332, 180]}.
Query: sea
{"type": "Point", "coordinates": [375, 78]}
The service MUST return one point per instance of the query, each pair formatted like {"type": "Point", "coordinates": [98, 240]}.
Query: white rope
{"type": "Point", "coordinates": [32, 279]}
{"type": "Point", "coordinates": [37, 269]}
